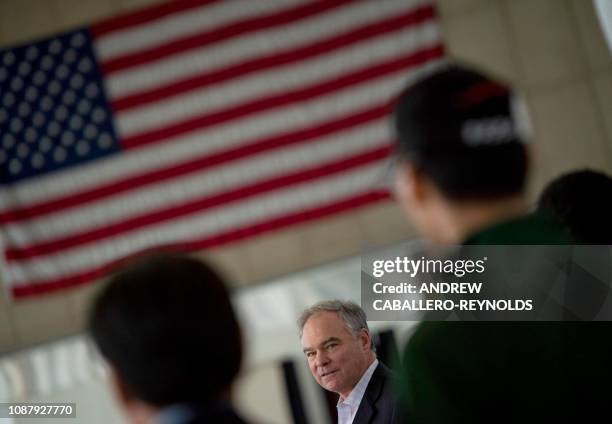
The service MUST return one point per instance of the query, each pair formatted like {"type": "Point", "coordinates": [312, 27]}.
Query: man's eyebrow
{"type": "Point", "coordinates": [331, 339]}
{"type": "Point", "coordinates": [323, 343]}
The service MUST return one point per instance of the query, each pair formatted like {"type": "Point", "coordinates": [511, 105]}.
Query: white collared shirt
{"type": "Point", "coordinates": [347, 408]}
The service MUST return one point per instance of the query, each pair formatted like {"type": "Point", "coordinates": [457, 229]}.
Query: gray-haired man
{"type": "Point", "coordinates": [340, 353]}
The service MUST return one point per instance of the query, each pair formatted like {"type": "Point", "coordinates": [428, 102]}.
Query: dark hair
{"type": "Point", "coordinates": [461, 129]}
{"type": "Point", "coordinates": [581, 201]}
{"type": "Point", "coordinates": [167, 326]}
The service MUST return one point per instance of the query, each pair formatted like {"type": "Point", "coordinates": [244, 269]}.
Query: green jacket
{"type": "Point", "coordinates": [467, 372]}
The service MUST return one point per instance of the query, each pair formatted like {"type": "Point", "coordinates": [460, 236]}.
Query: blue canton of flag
{"type": "Point", "coordinates": [53, 110]}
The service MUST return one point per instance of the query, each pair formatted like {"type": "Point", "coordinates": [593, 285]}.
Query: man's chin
{"type": "Point", "coordinates": [332, 387]}
{"type": "Point", "coordinates": [330, 383]}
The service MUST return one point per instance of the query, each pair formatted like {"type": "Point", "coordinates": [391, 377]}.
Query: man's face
{"type": "Point", "coordinates": [336, 358]}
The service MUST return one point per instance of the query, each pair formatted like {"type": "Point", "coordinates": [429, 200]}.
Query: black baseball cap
{"type": "Point", "coordinates": [466, 131]}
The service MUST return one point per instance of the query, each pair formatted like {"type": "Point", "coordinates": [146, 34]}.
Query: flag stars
{"type": "Point", "coordinates": [45, 144]}
{"type": "Point", "coordinates": [47, 63]}
{"type": "Point", "coordinates": [59, 154]}
{"type": "Point", "coordinates": [53, 129]}
{"type": "Point", "coordinates": [16, 125]}
{"type": "Point", "coordinates": [32, 53]}
{"type": "Point", "coordinates": [105, 141]}
{"type": "Point", "coordinates": [84, 106]}
{"type": "Point", "coordinates": [16, 84]}
{"type": "Point", "coordinates": [98, 115]}
{"type": "Point", "coordinates": [23, 151]}
{"type": "Point", "coordinates": [46, 104]}
{"type": "Point", "coordinates": [90, 132]}
{"type": "Point", "coordinates": [67, 138]}
{"type": "Point", "coordinates": [82, 148]}
{"type": "Point", "coordinates": [39, 78]}
{"type": "Point", "coordinates": [8, 58]}
{"type": "Point", "coordinates": [31, 94]}
{"type": "Point", "coordinates": [24, 69]}
{"type": "Point", "coordinates": [37, 161]}
{"type": "Point", "coordinates": [61, 113]}
{"type": "Point", "coordinates": [70, 56]}
{"type": "Point", "coordinates": [92, 90]}
{"type": "Point", "coordinates": [85, 65]}
{"type": "Point", "coordinates": [38, 119]}
{"type": "Point", "coordinates": [76, 123]}
{"type": "Point", "coordinates": [62, 72]}
{"type": "Point", "coordinates": [77, 40]}
{"type": "Point", "coordinates": [54, 88]}
{"type": "Point", "coordinates": [8, 99]}
{"type": "Point", "coordinates": [77, 81]}
{"type": "Point", "coordinates": [30, 135]}
{"type": "Point", "coordinates": [24, 109]}
{"type": "Point", "coordinates": [52, 107]}
{"type": "Point", "coordinates": [69, 97]}
{"type": "Point", "coordinates": [8, 141]}
{"type": "Point", "coordinates": [55, 46]}
{"type": "Point", "coordinates": [15, 166]}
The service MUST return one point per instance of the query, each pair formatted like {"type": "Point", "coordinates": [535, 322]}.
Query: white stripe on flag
{"type": "Point", "coordinates": [183, 24]}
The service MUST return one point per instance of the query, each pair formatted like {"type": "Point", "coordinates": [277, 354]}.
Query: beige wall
{"type": "Point", "coordinates": [553, 49]}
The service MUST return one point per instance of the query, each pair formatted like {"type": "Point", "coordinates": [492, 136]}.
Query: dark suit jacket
{"type": "Point", "coordinates": [379, 405]}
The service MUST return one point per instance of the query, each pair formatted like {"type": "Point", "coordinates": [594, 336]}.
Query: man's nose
{"type": "Point", "coordinates": [322, 359]}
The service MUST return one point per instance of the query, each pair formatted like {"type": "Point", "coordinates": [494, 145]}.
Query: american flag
{"type": "Point", "coordinates": [196, 123]}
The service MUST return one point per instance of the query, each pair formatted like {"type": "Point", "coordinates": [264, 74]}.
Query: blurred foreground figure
{"type": "Point", "coordinates": [168, 331]}
{"type": "Point", "coordinates": [340, 353]}
{"type": "Point", "coordinates": [582, 203]}
{"type": "Point", "coordinates": [462, 145]}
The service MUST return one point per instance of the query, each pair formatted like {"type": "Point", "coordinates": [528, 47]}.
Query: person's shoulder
{"type": "Point", "coordinates": [383, 381]}
{"type": "Point", "coordinates": [382, 395]}
{"type": "Point", "coordinates": [383, 370]}
{"type": "Point", "coordinates": [530, 229]}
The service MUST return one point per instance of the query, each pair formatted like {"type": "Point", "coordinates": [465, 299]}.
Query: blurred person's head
{"type": "Point", "coordinates": [581, 201]}
{"type": "Point", "coordinates": [337, 343]}
{"type": "Point", "coordinates": [462, 156]}
{"type": "Point", "coordinates": [167, 329]}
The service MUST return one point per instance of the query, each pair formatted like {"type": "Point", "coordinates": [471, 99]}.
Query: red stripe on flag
{"type": "Point", "coordinates": [282, 58]}
{"type": "Point", "coordinates": [14, 254]}
{"type": "Point", "coordinates": [248, 148]}
{"type": "Point", "coordinates": [144, 16]}
{"type": "Point", "coordinates": [328, 87]}
{"type": "Point", "coordinates": [32, 288]}
{"type": "Point", "coordinates": [235, 29]}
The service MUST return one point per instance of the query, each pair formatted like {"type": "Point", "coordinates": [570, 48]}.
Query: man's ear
{"type": "Point", "coordinates": [409, 183]}
{"type": "Point", "coordinates": [136, 410]}
{"type": "Point", "coordinates": [122, 392]}
{"type": "Point", "coordinates": [365, 338]}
